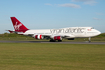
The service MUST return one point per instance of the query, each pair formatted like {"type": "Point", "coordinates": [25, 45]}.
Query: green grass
{"type": "Point", "coordinates": [38, 56]}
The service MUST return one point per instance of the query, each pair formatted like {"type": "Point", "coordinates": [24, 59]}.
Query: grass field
{"type": "Point", "coordinates": [38, 56]}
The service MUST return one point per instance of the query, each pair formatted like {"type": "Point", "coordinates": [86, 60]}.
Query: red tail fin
{"type": "Point", "coordinates": [18, 26]}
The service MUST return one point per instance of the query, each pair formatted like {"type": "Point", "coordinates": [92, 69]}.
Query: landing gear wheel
{"type": "Point", "coordinates": [59, 40]}
{"type": "Point", "coordinates": [52, 40]}
{"type": "Point", "coordinates": [89, 39]}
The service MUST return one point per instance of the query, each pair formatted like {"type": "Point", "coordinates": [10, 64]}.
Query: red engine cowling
{"type": "Point", "coordinates": [57, 38]}
{"type": "Point", "coordinates": [38, 37]}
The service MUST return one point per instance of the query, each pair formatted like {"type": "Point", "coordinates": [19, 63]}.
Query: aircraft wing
{"type": "Point", "coordinates": [58, 35]}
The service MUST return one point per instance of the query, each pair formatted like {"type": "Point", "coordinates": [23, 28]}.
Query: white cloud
{"type": "Point", "coordinates": [69, 5]}
{"type": "Point", "coordinates": [48, 4]}
{"type": "Point", "coordinates": [96, 18]}
{"type": "Point", "coordinates": [99, 13]}
{"type": "Point", "coordinates": [88, 2]}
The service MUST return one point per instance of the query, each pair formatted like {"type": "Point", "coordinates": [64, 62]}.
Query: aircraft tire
{"type": "Point", "coordinates": [52, 40]}
{"type": "Point", "coordinates": [59, 40]}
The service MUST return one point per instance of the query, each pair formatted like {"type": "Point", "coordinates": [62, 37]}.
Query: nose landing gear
{"type": "Point", "coordinates": [89, 39]}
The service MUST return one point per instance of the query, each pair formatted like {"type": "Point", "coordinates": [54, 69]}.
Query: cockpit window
{"type": "Point", "coordinates": [92, 28]}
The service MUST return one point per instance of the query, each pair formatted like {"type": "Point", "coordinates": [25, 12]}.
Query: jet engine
{"type": "Point", "coordinates": [57, 38]}
{"type": "Point", "coordinates": [38, 36]}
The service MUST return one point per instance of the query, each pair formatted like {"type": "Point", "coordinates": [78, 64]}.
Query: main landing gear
{"type": "Point", "coordinates": [89, 39]}
{"type": "Point", "coordinates": [55, 40]}
{"type": "Point", "coordinates": [52, 40]}
{"type": "Point", "coordinates": [59, 40]}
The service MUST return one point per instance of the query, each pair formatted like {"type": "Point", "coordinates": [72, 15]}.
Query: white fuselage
{"type": "Point", "coordinates": [53, 34]}
{"type": "Point", "coordinates": [71, 32]}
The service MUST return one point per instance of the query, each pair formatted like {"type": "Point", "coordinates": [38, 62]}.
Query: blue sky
{"type": "Point", "coordinates": [45, 14]}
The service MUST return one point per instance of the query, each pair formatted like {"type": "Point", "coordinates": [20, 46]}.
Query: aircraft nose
{"type": "Point", "coordinates": [98, 32]}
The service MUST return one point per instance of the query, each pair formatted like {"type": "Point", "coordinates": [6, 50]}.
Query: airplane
{"type": "Point", "coordinates": [54, 35]}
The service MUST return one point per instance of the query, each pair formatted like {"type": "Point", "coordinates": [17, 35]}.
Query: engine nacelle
{"type": "Point", "coordinates": [38, 37]}
{"type": "Point", "coordinates": [57, 38]}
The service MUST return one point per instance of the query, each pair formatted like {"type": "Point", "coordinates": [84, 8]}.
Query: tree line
{"type": "Point", "coordinates": [16, 35]}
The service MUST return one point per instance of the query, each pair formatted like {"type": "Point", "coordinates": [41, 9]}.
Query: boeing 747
{"type": "Point", "coordinates": [69, 33]}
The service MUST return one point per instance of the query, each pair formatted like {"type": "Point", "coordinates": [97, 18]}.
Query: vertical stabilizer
{"type": "Point", "coordinates": [18, 26]}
